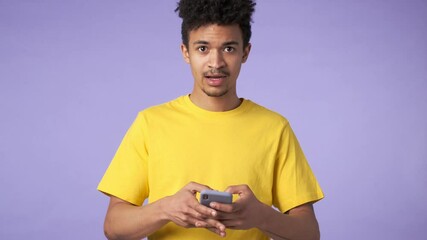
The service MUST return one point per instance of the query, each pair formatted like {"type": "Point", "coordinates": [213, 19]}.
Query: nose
{"type": "Point", "coordinates": [216, 60]}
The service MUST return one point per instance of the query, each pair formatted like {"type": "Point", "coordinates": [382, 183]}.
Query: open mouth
{"type": "Point", "coordinates": [215, 80]}
{"type": "Point", "coordinates": [215, 76]}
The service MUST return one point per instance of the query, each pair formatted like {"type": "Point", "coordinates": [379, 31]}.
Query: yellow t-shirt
{"type": "Point", "coordinates": [172, 144]}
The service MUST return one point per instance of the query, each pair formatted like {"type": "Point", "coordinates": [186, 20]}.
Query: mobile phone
{"type": "Point", "coordinates": [208, 196]}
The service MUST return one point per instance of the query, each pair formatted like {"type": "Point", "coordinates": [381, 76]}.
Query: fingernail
{"type": "Point", "coordinates": [213, 213]}
{"type": "Point", "coordinates": [212, 205]}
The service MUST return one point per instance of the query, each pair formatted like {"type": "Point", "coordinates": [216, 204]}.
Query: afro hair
{"type": "Point", "coordinates": [198, 13]}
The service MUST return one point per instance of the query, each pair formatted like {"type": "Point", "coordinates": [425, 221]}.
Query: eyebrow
{"type": "Point", "coordinates": [201, 42]}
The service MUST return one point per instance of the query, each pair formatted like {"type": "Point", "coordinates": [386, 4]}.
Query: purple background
{"type": "Point", "coordinates": [351, 76]}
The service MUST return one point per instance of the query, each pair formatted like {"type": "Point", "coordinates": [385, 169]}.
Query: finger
{"type": "Point", "coordinates": [188, 221]}
{"type": "Point", "coordinates": [231, 224]}
{"type": "Point", "coordinates": [206, 212]}
{"type": "Point", "coordinates": [195, 210]}
{"type": "Point", "coordinates": [201, 224]}
{"type": "Point", "coordinates": [238, 189]}
{"type": "Point", "coordinates": [216, 224]}
{"type": "Point", "coordinates": [223, 207]}
{"type": "Point", "coordinates": [197, 214]}
{"type": "Point", "coordinates": [214, 230]}
{"type": "Point", "coordinates": [222, 216]}
{"type": "Point", "coordinates": [197, 187]}
{"type": "Point", "coordinates": [192, 218]}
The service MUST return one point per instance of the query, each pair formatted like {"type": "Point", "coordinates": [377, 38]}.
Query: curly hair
{"type": "Point", "coordinates": [198, 13]}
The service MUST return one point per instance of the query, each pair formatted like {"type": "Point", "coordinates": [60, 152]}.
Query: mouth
{"type": "Point", "coordinates": [215, 77]}
{"type": "Point", "coordinates": [215, 80]}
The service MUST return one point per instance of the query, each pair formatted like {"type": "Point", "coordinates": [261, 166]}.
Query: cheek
{"type": "Point", "coordinates": [197, 67]}
{"type": "Point", "coordinates": [197, 72]}
{"type": "Point", "coordinates": [235, 68]}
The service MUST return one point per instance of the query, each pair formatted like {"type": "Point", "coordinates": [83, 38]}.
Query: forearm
{"type": "Point", "coordinates": [124, 221]}
{"type": "Point", "coordinates": [280, 226]}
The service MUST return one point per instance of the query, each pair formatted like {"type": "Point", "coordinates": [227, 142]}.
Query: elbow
{"type": "Point", "coordinates": [314, 230]}
{"type": "Point", "coordinates": [108, 231]}
{"type": "Point", "coordinates": [311, 233]}
{"type": "Point", "coordinates": [316, 233]}
{"type": "Point", "coordinates": [308, 236]}
{"type": "Point", "coordinates": [108, 234]}
{"type": "Point", "coordinates": [111, 233]}
{"type": "Point", "coordinates": [316, 236]}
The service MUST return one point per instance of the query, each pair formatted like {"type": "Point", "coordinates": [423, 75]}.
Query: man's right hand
{"type": "Point", "coordinates": [184, 210]}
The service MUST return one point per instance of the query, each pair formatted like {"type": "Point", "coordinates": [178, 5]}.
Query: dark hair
{"type": "Point", "coordinates": [198, 13]}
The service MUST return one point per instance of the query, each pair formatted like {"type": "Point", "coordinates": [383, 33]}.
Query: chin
{"type": "Point", "coordinates": [215, 93]}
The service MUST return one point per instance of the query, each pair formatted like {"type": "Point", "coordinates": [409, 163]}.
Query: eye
{"type": "Point", "coordinates": [229, 49]}
{"type": "Point", "coordinates": [202, 49]}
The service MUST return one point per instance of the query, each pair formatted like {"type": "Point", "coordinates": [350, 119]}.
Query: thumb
{"type": "Point", "coordinates": [237, 189]}
{"type": "Point", "coordinates": [197, 187]}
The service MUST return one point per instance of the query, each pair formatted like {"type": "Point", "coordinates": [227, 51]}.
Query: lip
{"type": "Point", "coordinates": [215, 76]}
{"type": "Point", "coordinates": [215, 81]}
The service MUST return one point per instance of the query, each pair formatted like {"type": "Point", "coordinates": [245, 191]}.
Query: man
{"type": "Point", "coordinates": [211, 139]}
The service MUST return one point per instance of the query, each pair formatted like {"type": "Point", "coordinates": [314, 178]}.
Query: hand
{"type": "Point", "coordinates": [244, 213]}
{"type": "Point", "coordinates": [184, 210]}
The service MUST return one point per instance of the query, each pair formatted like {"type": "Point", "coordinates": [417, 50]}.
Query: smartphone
{"type": "Point", "coordinates": [208, 196]}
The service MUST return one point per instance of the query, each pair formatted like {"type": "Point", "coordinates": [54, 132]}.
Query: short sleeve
{"type": "Point", "coordinates": [294, 181]}
{"type": "Point", "coordinates": [127, 176]}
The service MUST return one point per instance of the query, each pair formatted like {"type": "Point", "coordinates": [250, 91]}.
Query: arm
{"type": "Point", "coordinates": [300, 223]}
{"type": "Point", "coordinates": [127, 221]}
{"type": "Point", "coordinates": [247, 212]}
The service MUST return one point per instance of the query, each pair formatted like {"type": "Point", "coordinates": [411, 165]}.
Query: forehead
{"type": "Point", "coordinates": [214, 33]}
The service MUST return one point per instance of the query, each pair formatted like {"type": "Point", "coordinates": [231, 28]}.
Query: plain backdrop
{"type": "Point", "coordinates": [351, 77]}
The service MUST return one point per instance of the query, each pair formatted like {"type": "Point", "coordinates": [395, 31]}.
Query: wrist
{"type": "Point", "coordinates": [264, 216]}
{"type": "Point", "coordinates": [163, 209]}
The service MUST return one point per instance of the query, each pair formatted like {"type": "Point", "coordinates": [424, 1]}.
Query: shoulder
{"type": "Point", "coordinates": [265, 114]}
{"type": "Point", "coordinates": [166, 107]}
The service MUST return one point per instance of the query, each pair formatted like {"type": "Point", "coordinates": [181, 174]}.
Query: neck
{"type": "Point", "coordinates": [216, 104]}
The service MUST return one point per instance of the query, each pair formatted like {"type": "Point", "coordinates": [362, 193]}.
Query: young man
{"type": "Point", "coordinates": [211, 139]}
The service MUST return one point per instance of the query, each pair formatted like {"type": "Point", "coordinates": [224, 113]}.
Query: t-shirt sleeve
{"type": "Point", "coordinates": [127, 176]}
{"type": "Point", "coordinates": [294, 181]}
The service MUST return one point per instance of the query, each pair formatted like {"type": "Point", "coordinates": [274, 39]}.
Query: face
{"type": "Point", "coordinates": [215, 54]}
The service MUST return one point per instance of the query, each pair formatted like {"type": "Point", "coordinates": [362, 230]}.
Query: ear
{"type": "Point", "coordinates": [246, 52]}
{"type": "Point", "coordinates": [185, 53]}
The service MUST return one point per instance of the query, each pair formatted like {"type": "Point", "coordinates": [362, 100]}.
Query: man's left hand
{"type": "Point", "coordinates": [244, 213]}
